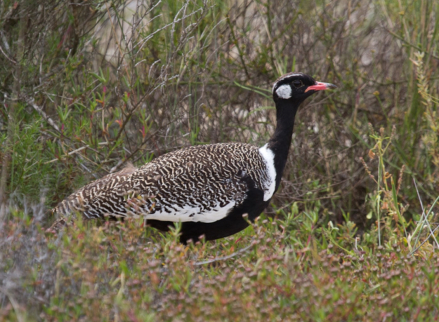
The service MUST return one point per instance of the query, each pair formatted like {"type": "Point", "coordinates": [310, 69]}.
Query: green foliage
{"type": "Point", "coordinates": [276, 270]}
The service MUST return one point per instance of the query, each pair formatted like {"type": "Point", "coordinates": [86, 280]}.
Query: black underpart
{"type": "Point", "coordinates": [233, 223]}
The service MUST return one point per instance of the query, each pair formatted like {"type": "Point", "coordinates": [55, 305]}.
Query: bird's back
{"type": "Point", "coordinates": [79, 200]}
{"type": "Point", "coordinates": [195, 184]}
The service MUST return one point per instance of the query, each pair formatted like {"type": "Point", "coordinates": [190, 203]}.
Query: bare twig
{"type": "Point", "coordinates": [15, 305]}
{"type": "Point", "coordinates": [224, 257]}
{"type": "Point", "coordinates": [7, 57]}
{"type": "Point", "coordinates": [76, 151]}
{"type": "Point", "coordinates": [414, 251]}
{"type": "Point", "coordinates": [424, 215]}
{"type": "Point", "coordinates": [40, 111]}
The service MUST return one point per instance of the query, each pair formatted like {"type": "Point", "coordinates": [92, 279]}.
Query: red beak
{"type": "Point", "coordinates": [320, 87]}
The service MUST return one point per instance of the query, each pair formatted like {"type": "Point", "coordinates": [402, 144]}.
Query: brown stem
{"type": "Point", "coordinates": [11, 117]}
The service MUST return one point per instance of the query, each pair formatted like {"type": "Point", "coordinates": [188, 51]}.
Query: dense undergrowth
{"type": "Point", "coordinates": [277, 270]}
{"type": "Point", "coordinates": [349, 236]}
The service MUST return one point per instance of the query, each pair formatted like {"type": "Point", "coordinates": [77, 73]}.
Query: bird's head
{"type": "Point", "coordinates": [297, 87]}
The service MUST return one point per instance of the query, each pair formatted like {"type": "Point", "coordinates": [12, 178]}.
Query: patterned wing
{"type": "Point", "coordinates": [198, 184]}
{"type": "Point", "coordinates": [102, 188]}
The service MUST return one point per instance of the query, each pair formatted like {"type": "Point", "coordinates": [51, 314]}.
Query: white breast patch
{"type": "Point", "coordinates": [193, 214]}
{"type": "Point", "coordinates": [268, 157]}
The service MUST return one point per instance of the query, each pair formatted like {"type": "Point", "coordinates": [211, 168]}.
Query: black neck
{"type": "Point", "coordinates": [280, 142]}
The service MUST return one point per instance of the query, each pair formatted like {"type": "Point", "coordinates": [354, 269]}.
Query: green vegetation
{"type": "Point", "coordinates": [350, 235]}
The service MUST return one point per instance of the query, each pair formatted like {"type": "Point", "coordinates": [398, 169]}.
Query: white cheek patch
{"type": "Point", "coordinates": [284, 91]}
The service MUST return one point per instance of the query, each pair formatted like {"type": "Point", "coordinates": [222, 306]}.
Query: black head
{"type": "Point", "coordinates": [297, 87]}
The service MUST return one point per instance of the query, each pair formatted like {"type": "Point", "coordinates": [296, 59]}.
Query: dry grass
{"type": "Point", "coordinates": [119, 272]}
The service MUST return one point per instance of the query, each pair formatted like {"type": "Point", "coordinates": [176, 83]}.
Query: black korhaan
{"type": "Point", "coordinates": [208, 188]}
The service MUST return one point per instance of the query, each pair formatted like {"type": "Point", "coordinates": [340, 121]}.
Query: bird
{"type": "Point", "coordinates": [214, 190]}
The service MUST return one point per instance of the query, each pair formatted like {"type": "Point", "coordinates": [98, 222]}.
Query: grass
{"type": "Point", "coordinates": [350, 234]}
{"type": "Point", "coordinates": [289, 270]}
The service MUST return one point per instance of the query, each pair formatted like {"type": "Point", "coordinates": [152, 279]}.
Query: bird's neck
{"type": "Point", "coordinates": [280, 141]}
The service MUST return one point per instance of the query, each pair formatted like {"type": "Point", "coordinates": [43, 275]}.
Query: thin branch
{"type": "Point", "coordinates": [425, 217]}
{"type": "Point", "coordinates": [76, 151]}
{"type": "Point", "coordinates": [414, 251]}
{"type": "Point", "coordinates": [411, 45]}
{"type": "Point", "coordinates": [224, 257]}
{"type": "Point", "coordinates": [40, 111]}
{"type": "Point", "coordinates": [15, 305]}
{"type": "Point", "coordinates": [7, 57]}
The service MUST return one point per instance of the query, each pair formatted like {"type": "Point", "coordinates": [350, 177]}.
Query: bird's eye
{"type": "Point", "coordinates": [297, 83]}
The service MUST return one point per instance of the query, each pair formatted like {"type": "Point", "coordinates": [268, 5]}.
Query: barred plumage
{"type": "Point", "coordinates": [165, 189]}
{"type": "Point", "coordinates": [208, 188]}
